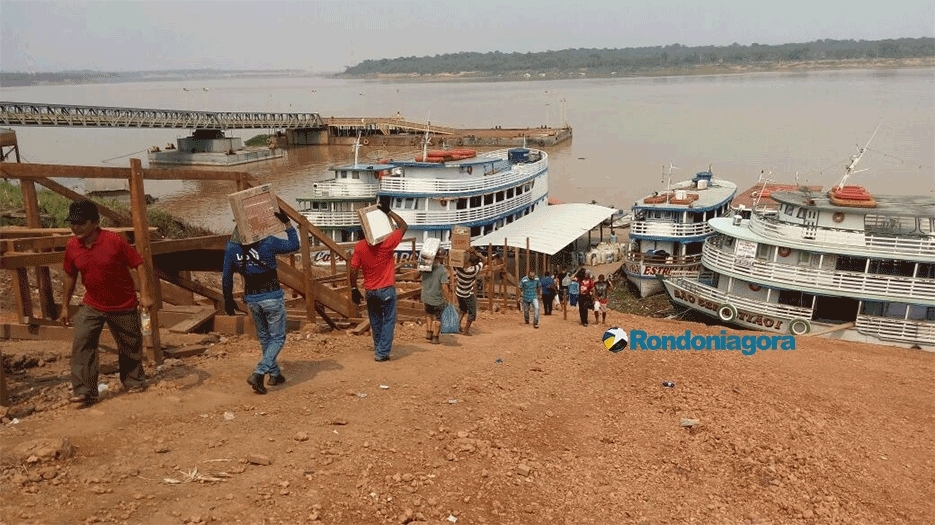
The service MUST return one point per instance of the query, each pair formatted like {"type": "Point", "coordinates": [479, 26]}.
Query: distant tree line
{"type": "Point", "coordinates": [630, 60]}
{"type": "Point", "coordinates": [12, 79]}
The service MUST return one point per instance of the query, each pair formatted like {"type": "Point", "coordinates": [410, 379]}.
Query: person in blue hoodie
{"type": "Point", "coordinates": [256, 263]}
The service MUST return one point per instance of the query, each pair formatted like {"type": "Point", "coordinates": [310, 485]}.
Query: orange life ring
{"type": "Point", "coordinates": [755, 287]}
{"type": "Point", "coordinates": [784, 251]}
{"type": "Point", "coordinates": [838, 216]}
{"type": "Point", "coordinates": [365, 142]}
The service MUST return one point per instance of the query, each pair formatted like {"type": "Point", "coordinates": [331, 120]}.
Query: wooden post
{"type": "Point", "coordinates": [307, 272]}
{"type": "Point", "coordinates": [141, 237]}
{"type": "Point", "coordinates": [22, 296]}
{"type": "Point", "coordinates": [490, 282]}
{"type": "Point", "coordinates": [518, 274]}
{"type": "Point", "coordinates": [4, 395]}
{"type": "Point", "coordinates": [527, 257]}
{"type": "Point", "coordinates": [43, 278]}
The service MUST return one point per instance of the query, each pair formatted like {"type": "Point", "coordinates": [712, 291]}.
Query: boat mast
{"type": "Point", "coordinates": [849, 169]}
{"type": "Point", "coordinates": [356, 148]}
{"type": "Point", "coordinates": [425, 139]}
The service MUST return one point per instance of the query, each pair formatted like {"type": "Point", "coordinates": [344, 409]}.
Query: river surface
{"type": "Point", "coordinates": [625, 130]}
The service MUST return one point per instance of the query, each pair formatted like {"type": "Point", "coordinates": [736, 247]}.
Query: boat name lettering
{"type": "Point", "coordinates": [757, 319]}
{"type": "Point", "coordinates": [657, 270]}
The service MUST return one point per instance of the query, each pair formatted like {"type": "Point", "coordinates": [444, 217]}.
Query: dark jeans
{"type": "Point", "coordinates": [585, 304]}
{"type": "Point", "coordinates": [547, 299]}
{"type": "Point", "coordinates": [85, 365]}
{"type": "Point", "coordinates": [381, 307]}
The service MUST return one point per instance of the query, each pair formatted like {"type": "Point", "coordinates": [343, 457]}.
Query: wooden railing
{"type": "Point", "coordinates": [719, 297]}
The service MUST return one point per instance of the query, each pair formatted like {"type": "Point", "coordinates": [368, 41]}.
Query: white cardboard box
{"type": "Point", "coordinates": [375, 223]}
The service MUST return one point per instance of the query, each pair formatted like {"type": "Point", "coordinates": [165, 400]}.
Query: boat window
{"type": "Point", "coordinates": [509, 193]}
{"type": "Point", "coordinates": [801, 213]}
{"type": "Point", "coordinates": [475, 201]}
{"type": "Point", "coordinates": [788, 209]}
{"type": "Point", "coordinates": [919, 312]}
{"type": "Point", "coordinates": [903, 268]}
{"type": "Point", "coordinates": [409, 203]}
{"type": "Point", "coordinates": [874, 308]}
{"type": "Point", "coordinates": [509, 219]}
{"type": "Point", "coordinates": [355, 175]}
{"type": "Point", "coordinates": [342, 174]}
{"type": "Point", "coordinates": [895, 310]}
{"type": "Point", "coordinates": [519, 190]}
{"type": "Point", "coordinates": [804, 256]}
{"type": "Point", "coordinates": [850, 264]}
{"type": "Point", "coordinates": [461, 204]}
{"type": "Point", "coordinates": [795, 298]}
{"type": "Point", "coordinates": [926, 271]}
{"type": "Point", "coordinates": [488, 199]}
{"type": "Point", "coordinates": [500, 196]}
{"type": "Point", "coordinates": [762, 251]}
{"type": "Point", "coordinates": [475, 231]}
{"type": "Point", "coordinates": [728, 242]}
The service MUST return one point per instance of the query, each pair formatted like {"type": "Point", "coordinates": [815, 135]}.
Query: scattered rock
{"type": "Point", "coordinates": [258, 459]}
{"type": "Point", "coordinates": [339, 421]}
{"type": "Point", "coordinates": [301, 436]}
{"type": "Point", "coordinates": [19, 412]}
{"type": "Point", "coordinates": [689, 423]}
{"type": "Point", "coordinates": [523, 470]}
{"type": "Point", "coordinates": [42, 449]}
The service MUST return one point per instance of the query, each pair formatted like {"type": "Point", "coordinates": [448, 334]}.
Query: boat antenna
{"type": "Point", "coordinates": [765, 178]}
{"type": "Point", "coordinates": [356, 148]}
{"type": "Point", "coordinates": [669, 183]}
{"type": "Point", "coordinates": [849, 169]}
{"type": "Point", "coordinates": [425, 139]}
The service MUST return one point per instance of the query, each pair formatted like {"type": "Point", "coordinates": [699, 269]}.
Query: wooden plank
{"type": "Point", "coordinates": [194, 321]}
{"type": "Point", "coordinates": [44, 332]}
{"type": "Point", "coordinates": [4, 395]}
{"type": "Point", "coordinates": [67, 171]}
{"type": "Point", "coordinates": [21, 294]}
{"type": "Point", "coordinates": [43, 278]}
{"type": "Point", "coordinates": [141, 229]}
{"type": "Point", "coordinates": [15, 232]}
{"type": "Point", "coordinates": [58, 242]}
{"type": "Point", "coordinates": [178, 352]}
{"type": "Point", "coordinates": [362, 328]}
{"type": "Point", "coordinates": [307, 273]}
{"type": "Point", "coordinates": [13, 260]}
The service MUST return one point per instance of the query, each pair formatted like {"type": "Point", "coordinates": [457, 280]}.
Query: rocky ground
{"type": "Point", "coordinates": [512, 425]}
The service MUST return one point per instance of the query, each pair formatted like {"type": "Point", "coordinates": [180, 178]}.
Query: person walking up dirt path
{"type": "Point", "coordinates": [466, 291]}
{"type": "Point", "coordinates": [435, 295]}
{"type": "Point", "coordinates": [585, 299]}
{"type": "Point", "coordinates": [256, 263]}
{"type": "Point", "coordinates": [602, 291]}
{"type": "Point", "coordinates": [532, 291]}
{"type": "Point", "coordinates": [379, 268]}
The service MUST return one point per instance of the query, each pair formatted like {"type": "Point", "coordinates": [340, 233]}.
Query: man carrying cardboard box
{"type": "Point", "coordinates": [256, 263]}
{"type": "Point", "coordinates": [379, 267]}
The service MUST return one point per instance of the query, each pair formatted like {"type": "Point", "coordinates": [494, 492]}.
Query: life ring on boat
{"type": "Point", "coordinates": [460, 142]}
{"type": "Point", "coordinates": [784, 251]}
{"type": "Point", "coordinates": [799, 326]}
{"type": "Point", "coordinates": [726, 312]}
{"type": "Point", "coordinates": [838, 216]}
{"type": "Point", "coordinates": [470, 170]}
{"type": "Point", "coordinates": [755, 287]}
{"type": "Point", "coordinates": [365, 142]}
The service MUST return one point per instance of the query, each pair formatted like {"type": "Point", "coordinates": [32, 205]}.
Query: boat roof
{"type": "Point", "coordinates": [549, 228]}
{"type": "Point", "coordinates": [748, 197]}
{"type": "Point", "coordinates": [717, 193]}
{"type": "Point", "coordinates": [903, 205]}
{"type": "Point", "coordinates": [363, 167]}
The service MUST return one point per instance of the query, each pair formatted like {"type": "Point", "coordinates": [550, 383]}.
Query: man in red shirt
{"type": "Point", "coordinates": [379, 267]}
{"type": "Point", "coordinates": [104, 260]}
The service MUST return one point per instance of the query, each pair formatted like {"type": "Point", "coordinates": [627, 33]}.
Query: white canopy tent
{"type": "Point", "coordinates": [549, 228]}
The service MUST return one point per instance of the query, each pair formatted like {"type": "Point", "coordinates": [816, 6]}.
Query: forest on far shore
{"type": "Point", "coordinates": [645, 60]}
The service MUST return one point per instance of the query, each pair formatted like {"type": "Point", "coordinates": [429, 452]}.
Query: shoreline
{"type": "Point", "coordinates": [773, 67]}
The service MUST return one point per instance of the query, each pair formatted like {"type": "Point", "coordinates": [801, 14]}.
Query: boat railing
{"type": "Point", "coordinates": [469, 182]}
{"type": "Point", "coordinates": [671, 260]}
{"type": "Point", "coordinates": [332, 219]}
{"type": "Point", "coordinates": [718, 296]}
{"type": "Point", "coordinates": [669, 229]}
{"type": "Point", "coordinates": [857, 284]}
{"type": "Point", "coordinates": [334, 189]}
{"type": "Point", "coordinates": [446, 217]}
{"type": "Point", "coordinates": [904, 330]}
{"type": "Point", "coordinates": [849, 242]}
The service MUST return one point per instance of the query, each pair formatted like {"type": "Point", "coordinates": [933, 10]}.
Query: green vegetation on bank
{"type": "Point", "coordinates": [672, 59]}
{"type": "Point", "coordinates": [53, 208]}
{"type": "Point", "coordinates": [257, 140]}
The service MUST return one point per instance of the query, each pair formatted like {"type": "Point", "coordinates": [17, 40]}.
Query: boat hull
{"type": "Point", "coordinates": [645, 276]}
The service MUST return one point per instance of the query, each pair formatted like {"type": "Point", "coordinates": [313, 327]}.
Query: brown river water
{"type": "Point", "coordinates": [625, 130]}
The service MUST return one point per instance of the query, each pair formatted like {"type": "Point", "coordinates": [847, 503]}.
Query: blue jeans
{"type": "Point", "coordinates": [535, 306]}
{"type": "Point", "coordinates": [381, 307]}
{"type": "Point", "coordinates": [269, 317]}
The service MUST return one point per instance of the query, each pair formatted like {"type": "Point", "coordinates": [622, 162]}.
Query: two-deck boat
{"type": "Point", "coordinates": [668, 229]}
{"type": "Point", "coordinates": [432, 192]}
{"type": "Point", "coordinates": [846, 264]}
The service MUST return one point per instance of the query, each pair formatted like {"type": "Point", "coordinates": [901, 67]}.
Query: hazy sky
{"type": "Point", "coordinates": [327, 36]}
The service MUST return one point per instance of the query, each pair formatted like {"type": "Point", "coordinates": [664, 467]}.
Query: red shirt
{"type": "Point", "coordinates": [377, 262]}
{"type": "Point", "coordinates": [585, 286]}
{"type": "Point", "coordinates": [105, 271]}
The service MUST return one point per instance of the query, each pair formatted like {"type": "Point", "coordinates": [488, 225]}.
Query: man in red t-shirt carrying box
{"type": "Point", "coordinates": [104, 260]}
{"type": "Point", "coordinates": [379, 268]}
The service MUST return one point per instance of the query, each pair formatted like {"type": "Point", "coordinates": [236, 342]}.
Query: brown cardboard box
{"type": "Point", "coordinates": [460, 238]}
{"type": "Point", "coordinates": [458, 258]}
{"type": "Point", "coordinates": [376, 224]}
{"type": "Point", "coordinates": [254, 210]}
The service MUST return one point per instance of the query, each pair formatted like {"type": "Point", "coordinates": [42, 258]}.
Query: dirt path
{"type": "Point", "coordinates": [510, 426]}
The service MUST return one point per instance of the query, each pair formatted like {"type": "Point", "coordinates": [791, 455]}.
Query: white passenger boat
{"type": "Point", "coordinates": [668, 229]}
{"type": "Point", "coordinates": [846, 264]}
{"type": "Point", "coordinates": [432, 191]}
